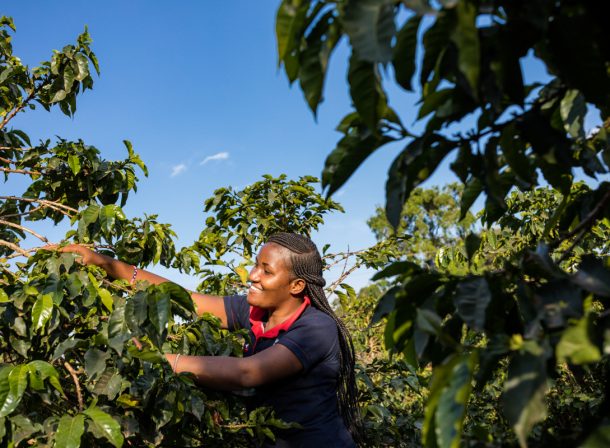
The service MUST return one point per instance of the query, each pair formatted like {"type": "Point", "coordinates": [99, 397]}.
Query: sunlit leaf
{"type": "Point", "coordinates": [105, 425]}
{"type": "Point", "coordinates": [70, 431]}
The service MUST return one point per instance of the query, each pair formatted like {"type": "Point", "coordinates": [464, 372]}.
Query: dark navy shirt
{"type": "Point", "coordinates": [310, 396]}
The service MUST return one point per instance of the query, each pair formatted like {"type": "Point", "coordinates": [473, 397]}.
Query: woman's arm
{"type": "Point", "coordinates": [228, 373]}
{"type": "Point", "coordinates": [120, 270]}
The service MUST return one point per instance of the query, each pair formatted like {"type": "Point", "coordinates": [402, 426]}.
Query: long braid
{"type": "Point", "coordinates": [307, 264]}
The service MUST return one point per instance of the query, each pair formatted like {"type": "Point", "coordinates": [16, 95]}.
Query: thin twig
{"type": "Point", "coordinates": [19, 108]}
{"type": "Point", "coordinates": [45, 202]}
{"type": "Point", "coordinates": [72, 372]}
{"type": "Point", "coordinates": [343, 276]}
{"type": "Point", "coordinates": [588, 221]}
{"type": "Point", "coordinates": [14, 247]}
{"type": "Point", "coordinates": [31, 173]}
{"type": "Point", "coordinates": [29, 212]}
{"type": "Point", "coordinates": [25, 229]}
{"type": "Point", "coordinates": [27, 252]}
{"type": "Point", "coordinates": [15, 148]}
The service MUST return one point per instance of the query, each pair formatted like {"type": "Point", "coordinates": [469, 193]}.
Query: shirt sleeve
{"type": "Point", "coordinates": [238, 312]}
{"type": "Point", "coordinates": [312, 340]}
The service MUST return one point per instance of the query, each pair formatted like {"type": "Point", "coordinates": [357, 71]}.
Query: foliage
{"type": "Point", "coordinates": [547, 303]}
{"type": "Point", "coordinates": [241, 221]}
{"type": "Point", "coordinates": [81, 356]}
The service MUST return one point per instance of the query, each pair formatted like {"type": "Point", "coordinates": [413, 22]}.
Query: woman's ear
{"type": "Point", "coordinates": [297, 286]}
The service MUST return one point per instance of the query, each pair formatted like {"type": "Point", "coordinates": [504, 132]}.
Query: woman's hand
{"type": "Point", "coordinates": [86, 255]}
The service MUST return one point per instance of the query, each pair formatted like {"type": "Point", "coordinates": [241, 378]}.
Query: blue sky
{"type": "Point", "coordinates": [195, 86]}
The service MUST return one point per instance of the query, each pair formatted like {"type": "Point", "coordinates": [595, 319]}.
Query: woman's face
{"type": "Point", "coordinates": [270, 278]}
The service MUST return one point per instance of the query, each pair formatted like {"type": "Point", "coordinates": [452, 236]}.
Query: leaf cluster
{"type": "Point", "coordinates": [540, 297]}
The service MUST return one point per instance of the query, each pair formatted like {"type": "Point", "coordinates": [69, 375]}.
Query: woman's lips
{"type": "Point", "coordinates": [254, 289]}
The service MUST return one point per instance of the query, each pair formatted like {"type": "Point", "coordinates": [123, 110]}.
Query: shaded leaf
{"type": "Point", "coordinates": [524, 391]}
{"type": "Point", "coordinates": [471, 299]}
{"type": "Point", "coordinates": [371, 28]}
{"type": "Point", "coordinates": [593, 276]}
{"type": "Point", "coordinates": [573, 110]}
{"type": "Point", "coordinates": [466, 37]}
{"type": "Point", "coordinates": [403, 58]}
{"type": "Point", "coordinates": [345, 159]}
{"type": "Point", "coordinates": [366, 92]}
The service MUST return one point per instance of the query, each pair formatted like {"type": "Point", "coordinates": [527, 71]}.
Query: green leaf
{"type": "Point", "coordinates": [398, 268]}
{"type": "Point", "coordinates": [385, 305]}
{"type": "Point", "coordinates": [136, 311]}
{"type": "Point", "coordinates": [147, 354]}
{"type": "Point", "coordinates": [74, 163]}
{"type": "Point", "coordinates": [435, 42]}
{"type": "Point", "coordinates": [158, 310]}
{"type": "Point", "coordinates": [472, 244]}
{"type": "Point", "coordinates": [403, 58]}
{"type": "Point", "coordinates": [243, 274]}
{"type": "Point", "coordinates": [440, 379]}
{"type": "Point", "coordinates": [41, 370]}
{"type": "Point", "coordinates": [313, 61]}
{"type": "Point", "coordinates": [118, 329]}
{"type": "Point", "coordinates": [105, 424]}
{"type": "Point", "coordinates": [289, 23]}
{"type": "Point", "coordinates": [366, 92]}
{"type": "Point", "coordinates": [514, 150]}
{"type": "Point", "coordinates": [414, 165]}
{"type": "Point", "coordinates": [109, 384]}
{"type": "Point", "coordinates": [524, 391]}
{"type": "Point", "coordinates": [66, 345]}
{"type": "Point", "coordinates": [3, 296]}
{"type": "Point", "coordinates": [575, 344]}
{"type": "Point", "coordinates": [70, 431]}
{"type": "Point", "coordinates": [349, 154]}
{"type": "Point", "coordinates": [371, 28]}
{"type": "Point", "coordinates": [472, 191]}
{"type": "Point", "coordinates": [133, 157]}
{"type": "Point", "coordinates": [106, 298]}
{"type": "Point", "coordinates": [108, 218]}
{"type": "Point", "coordinates": [13, 382]}
{"type": "Point", "coordinates": [82, 66]}
{"type": "Point", "coordinates": [573, 109]}
{"type": "Point", "coordinates": [466, 37]}
{"type": "Point", "coordinates": [95, 362]}
{"type": "Point", "coordinates": [451, 410]}
{"type": "Point", "coordinates": [179, 296]}
{"type": "Point", "coordinates": [593, 276]}
{"type": "Point", "coordinates": [599, 439]}
{"type": "Point", "coordinates": [41, 311]}
{"type": "Point", "coordinates": [471, 299]}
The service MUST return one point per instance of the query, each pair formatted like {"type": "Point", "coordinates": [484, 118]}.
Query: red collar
{"type": "Point", "coordinates": [258, 314]}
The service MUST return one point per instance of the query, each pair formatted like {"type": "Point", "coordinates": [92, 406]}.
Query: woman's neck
{"type": "Point", "coordinates": [278, 315]}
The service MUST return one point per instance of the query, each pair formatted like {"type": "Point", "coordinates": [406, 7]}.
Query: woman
{"type": "Point", "coordinates": [300, 358]}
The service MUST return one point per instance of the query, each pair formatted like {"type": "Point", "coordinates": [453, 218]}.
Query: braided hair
{"type": "Point", "coordinates": [307, 264]}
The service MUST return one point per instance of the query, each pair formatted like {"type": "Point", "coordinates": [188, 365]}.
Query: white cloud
{"type": "Point", "coordinates": [178, 169]}
{"type": "Point", "coordinates": [217, 156]}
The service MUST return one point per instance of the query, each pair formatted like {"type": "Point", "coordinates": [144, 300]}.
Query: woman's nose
{"type": "Point", "coordinates": [253, 275]}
